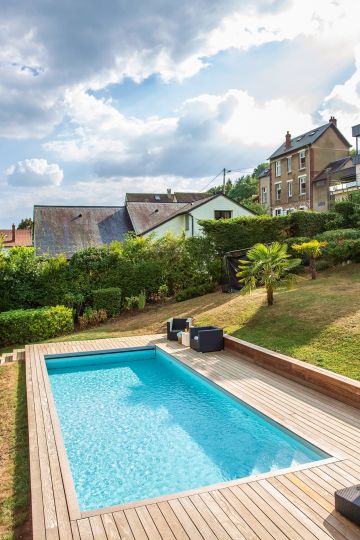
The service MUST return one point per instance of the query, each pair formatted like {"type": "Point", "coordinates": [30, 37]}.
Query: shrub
{"type": "Point", "coordinates": [141, 300]}
{"type": "Point", "coordinates": [92, 317]}
{"type": "Point", "coordinates": [29, 325]}
{"type": "Point", "coordinates": [339, 234]}
{"type": "Point", "coordinates": [75, 301]}
{"type": "Point", "coordinates": [314, 249]}
{"type": "Point", "coordinates": [343, 250]}
{"type": "Point", "coordinates": [312, 223]}
{"type": "Point", "coordinates": [108, 299]}
{"type": "Point", "coordinates": [192, 292]}
{"type": "Point", "coordinates": [323, 264]}
{"type": "Point", "coordinates": [131, 302]}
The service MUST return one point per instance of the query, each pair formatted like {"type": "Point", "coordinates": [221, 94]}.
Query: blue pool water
{"type": "Point", "coordinates": [137, 424]}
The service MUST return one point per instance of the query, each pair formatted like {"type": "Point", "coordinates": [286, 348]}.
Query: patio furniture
{"type": "Point", "coordinates": [175, 325]}
{"type": "Point", "coordinates": [206, 338]}
{"type": "Point", "coordinates": [347, 502]}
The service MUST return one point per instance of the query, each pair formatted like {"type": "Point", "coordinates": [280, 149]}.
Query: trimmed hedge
{"type": "Point", "coordinates": [108, 299]}
{"type": "Point", "coordinates": [193, 292]}
{"type": "Point", "coordinates": [244, 232]}
{"type": "Point", "coordinates": [30, 325]}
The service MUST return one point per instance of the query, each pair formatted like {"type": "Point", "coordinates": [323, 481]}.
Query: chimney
{"type": "Point", "coordinates": [13, 228]}
{"type": "Point", "coordinates": [333, 120]}
{"type": "Point", "coordinates": [169, 193]}
{"type": "Point", "coordinates": [287, 140]}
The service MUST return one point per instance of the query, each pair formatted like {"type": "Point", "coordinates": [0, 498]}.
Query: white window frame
{"type": "Point", "coordinates": [289, 164]}
{"type": "Point", "coordinates": [278, 168]}
{"type": "Point", "coordinates": [278, 211]}
{"type": "Point", "coordinates": [302, 155]}
{"type": "Point", "coordinates": [277, 198]}
{"type": "Point", "coordinates": [264, 195]}
{"type": "Point", "coordinates": [289, 210]}
{"type": "Point", "coordinates": [302, 179]}
{"type": "Point", "coordinates": [290, 188]}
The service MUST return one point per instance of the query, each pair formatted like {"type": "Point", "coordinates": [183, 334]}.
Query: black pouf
{"type": "Point", "coordinates": [347, 502]}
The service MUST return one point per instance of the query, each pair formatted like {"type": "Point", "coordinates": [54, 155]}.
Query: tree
{"type": "Point", "coordinates": [219, 189]}
{"type": "Point", "coordinates": [269, 267]}
{"type": "Point", "coordinates": [25, 223]}
{"type": "Point", "coordinates": [314, 250]}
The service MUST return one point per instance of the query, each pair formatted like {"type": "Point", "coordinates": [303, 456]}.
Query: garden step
{"type": "Point", "coordinates": [18, 354]}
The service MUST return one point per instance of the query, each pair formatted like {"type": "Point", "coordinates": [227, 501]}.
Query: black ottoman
{"type": "Point", "coordinates": [347, 502]}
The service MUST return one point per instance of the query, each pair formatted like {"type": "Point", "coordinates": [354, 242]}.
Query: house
{"type": "Point", "coordinates": [68, 229]}
{"type": "Point", "coordinates": [336, 180]}
{"type": "Point", "coordinates": [295, 164]}
{"type": "Point", "coordinates": [15, 237]}
{"type": "Point", "coordinates": [264, 188]}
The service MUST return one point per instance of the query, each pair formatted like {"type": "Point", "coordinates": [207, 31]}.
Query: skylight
{"type": "Point", "coordinates": [299, 138]}
{"type": "Point", "coordinates": [157, 197]}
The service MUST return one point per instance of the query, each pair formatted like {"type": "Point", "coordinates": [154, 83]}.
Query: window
{"type": "Point", "coordinates": [302, 185]}
{"type": "Point", "coordinates": [278, 168]}
{"type": "Point", "coordinates": [290, 188]}
{"type": "Point", "coordinates": [302, 160]}
{"type": "Point", "coordinates": [187, 222]}
{"type": "Point", "coordinates": [289, 164]}
{"type": "Point", "coordinates": [222, 214]}
{"type": "Point", "coordinates": [277, 191]}
{"type": "Point", "coordinates": [157, 198]}
{"type": "Point", "coordinates": [289, 210]}
{"type": "Point", "coordinates": [278, 212]}
{"type": "Point", "coordinates": [264, 195]}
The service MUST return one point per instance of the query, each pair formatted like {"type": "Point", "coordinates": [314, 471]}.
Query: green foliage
{"type": "Point", "coordinates": [349, 209]}
{"type": "Point", "coordinates": [255, 207]}
{"type": "Point", "coordinates": [26, 223]}
{"type": "Point", "coordinates": [312, 223]}
{"type": "Point", "coordinates": [342, 250]}
{"type": "Point", "coordinates": [269, 267]}
{"type": "Point", "coordinates": [242, 233]}
{"type": "Point", "coordinates": [313, 249]}
{"type": "Point", "coordinates": [29, 325]}
{"type": "Point", "coordinates": [339, 234]}
{"type": "Point", "coordinates": [108, 299]}
{"type": "Point", "coordinates": [192, 292]}
{"type": "Point", "coordinates": [141, 300]}
{"type": "Point", "coordinates": [244, 188]}
{"type": "Point", "coordinates": [92, 317]}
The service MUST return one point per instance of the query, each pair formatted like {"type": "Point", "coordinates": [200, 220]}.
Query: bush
{"type": "Point", "coordinates": [323, 264]}
{"type": "Point", "coordinates": [108, 299]}
{"type": "Point", "coordinates": [29, 325]}
{"type": "Point", "coordinates": [192, 292]}
{"type": "Point", "coordinates": [92, 317]}
{"type": "Point", "coordinates": [312, 223]}
{"type": "Point", "coordinates": [339, 234]}
{"type": "Point", "coordinates": [141, 301]}
{"type": "Point", "coordinates": [343, 250]}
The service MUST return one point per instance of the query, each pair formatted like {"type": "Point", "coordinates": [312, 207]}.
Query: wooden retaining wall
{"type": "Point", "coordinates": [337, 386]}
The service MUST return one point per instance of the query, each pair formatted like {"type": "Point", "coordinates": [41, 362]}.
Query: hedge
{"type": "Point", "coordinates": [244, 232]}
{"type": "Point", "coordinates": [193, 292]}
{"type": "Point", "coordinates": [108, 299]}
{"type": "Point", "coordinates": [30, 325]}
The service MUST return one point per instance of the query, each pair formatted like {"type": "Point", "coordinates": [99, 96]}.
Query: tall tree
{"type": "Point", "coordinates": [25, 223]}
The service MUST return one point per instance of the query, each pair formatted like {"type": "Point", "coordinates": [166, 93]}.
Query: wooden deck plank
{"type": "Point", "coordinates": [275, 506]}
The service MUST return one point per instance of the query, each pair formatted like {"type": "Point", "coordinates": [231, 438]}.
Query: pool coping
{"type": "Point", "coordinates": [70, 492]}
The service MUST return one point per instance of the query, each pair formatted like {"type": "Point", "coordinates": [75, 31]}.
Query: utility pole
{"type": "Point", "coordinates": [224, 179]}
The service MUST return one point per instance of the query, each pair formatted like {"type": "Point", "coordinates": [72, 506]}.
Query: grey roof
{"type": "Point", "coordinates": [264, 173]}
{"type": "Point", "coordinates": [147, 215]}
{"type": "Point", "coordinates": [177, 197]}
{"type": "Point", "coordinates": [338, 170]}
{"type": "Point", "coordinates": [68, 229]}
{"type": "Point", "coordinates": [190, 197]}
{"type": "Point", "coordinates": [300, 141]}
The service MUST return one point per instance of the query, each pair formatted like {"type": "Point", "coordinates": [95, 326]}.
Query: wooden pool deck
{"type": "Point", "coordinates": [292, 504]}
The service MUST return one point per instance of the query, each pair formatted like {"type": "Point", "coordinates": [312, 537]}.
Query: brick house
{"type": "Point", "coordinates": [295, 164]}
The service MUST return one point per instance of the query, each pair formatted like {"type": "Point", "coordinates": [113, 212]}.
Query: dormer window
{"type": "Point", "coordinates": [302, 159]}
{"type": "Point", "coordinates": [157, 197]}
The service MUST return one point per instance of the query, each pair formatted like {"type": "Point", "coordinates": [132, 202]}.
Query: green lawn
{"type": "Point", "coordinates": [317, 321]}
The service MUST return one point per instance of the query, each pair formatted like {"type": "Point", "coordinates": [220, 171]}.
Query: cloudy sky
{"type": "Point", "coordinates": [97, 99]}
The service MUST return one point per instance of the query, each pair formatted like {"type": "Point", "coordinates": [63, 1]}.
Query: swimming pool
{"type": "Point", "coordinates": [138, 424]}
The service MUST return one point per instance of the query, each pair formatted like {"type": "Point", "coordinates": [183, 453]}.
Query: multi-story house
{"type": "Point", "coordinates": [295, 164]}
{"type": "Point", "coordinates": [264, 188]}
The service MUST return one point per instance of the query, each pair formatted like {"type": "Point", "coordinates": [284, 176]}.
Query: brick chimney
{"type": "Point", "coordinates": [13, 229]}
{"type": "Point", "coordinates": [287, 140]}
{"type": "Point", "coordinates": [333, 120]}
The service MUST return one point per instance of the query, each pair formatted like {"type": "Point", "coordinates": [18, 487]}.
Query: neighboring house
{"type": "Point", "coordinates": [264, 188]}
{"type": "Point", "coordinates": [295, 164]}
{"type": "Point", "coordinates": [68, 229]}
{"type": "Point", "coordinates": [15, 237]}
{"type": "Point", "coordinates": [335, 181]}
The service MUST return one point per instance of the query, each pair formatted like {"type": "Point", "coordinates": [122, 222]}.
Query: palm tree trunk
{"type": "Point", "coordinates": [270, 296]}
{"type": "Point", "coordinates": [312, 267]}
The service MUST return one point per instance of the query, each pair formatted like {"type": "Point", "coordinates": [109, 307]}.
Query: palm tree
{"type": "Point", "coordinates": [313, 249]}
{"type": "Point", "coordinates": [269, 267]}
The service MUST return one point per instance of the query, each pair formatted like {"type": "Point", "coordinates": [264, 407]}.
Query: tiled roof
{"type": "Point", "coordinates": [68, 229]}
{"type": "Point", "coordinates": [337, 170]}
{"type": "Point", "coordinates": [149, 197]}
{"type": "Point", "coordinates": [185, 197]}
{"type": "Point", "coordinates": [264, 173]}
{"type": "Point", "coordinates": [23, 237]}
{"type": "Point", "coordinates": [300, 141]}
{"type": "Point", "coordinates": [146, 215]}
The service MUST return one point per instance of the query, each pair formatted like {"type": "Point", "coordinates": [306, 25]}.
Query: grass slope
{"type": "Point", "coordinates": [317, 321]}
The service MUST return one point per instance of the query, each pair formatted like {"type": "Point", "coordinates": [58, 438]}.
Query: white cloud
{"type": "Point", "coordinates": [34, 172]}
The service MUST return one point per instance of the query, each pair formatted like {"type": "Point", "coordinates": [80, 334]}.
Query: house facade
{"type": "Point", "coordinates": [264, 188]}
{"type": "Point", "coordinates": [297, 162]}
{"type": "Point", "coordinates": [337, 180]}
{"type": "Point", "coordinates": [68, 229]}
{"type": "Point", "coordinates": [15, 238]}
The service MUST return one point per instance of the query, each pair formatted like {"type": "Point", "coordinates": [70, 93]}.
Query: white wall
{"type": "Point", "coordinates": [176, 226]}
{"type": "Point", "coordinates": [207, 211]}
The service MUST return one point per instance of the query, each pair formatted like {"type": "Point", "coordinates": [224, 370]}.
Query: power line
{"type": "Point", "coordinates": [228, 171]}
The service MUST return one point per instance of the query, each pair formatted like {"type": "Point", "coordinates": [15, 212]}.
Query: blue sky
{"type": "Point", "coordinates": [142, 96]}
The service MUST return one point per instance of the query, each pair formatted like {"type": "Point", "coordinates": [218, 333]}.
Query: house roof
{"type": "Point", "coordinates": [147, 215]}
{"type": "Point", "coordinates": [176, 197]}
{"type": "Point", "coordinates": [264, 173]}
{"type": "Point", "coordinates": [68, 229]}
{"type": "Point", "coordinates": [23, 237]}
{"type": "Point", "coordinates": [300, 141]}
{"type": "Point", "coordinates": [190, 197]}
{"type": "Point", "coordinates": [336, 171]}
